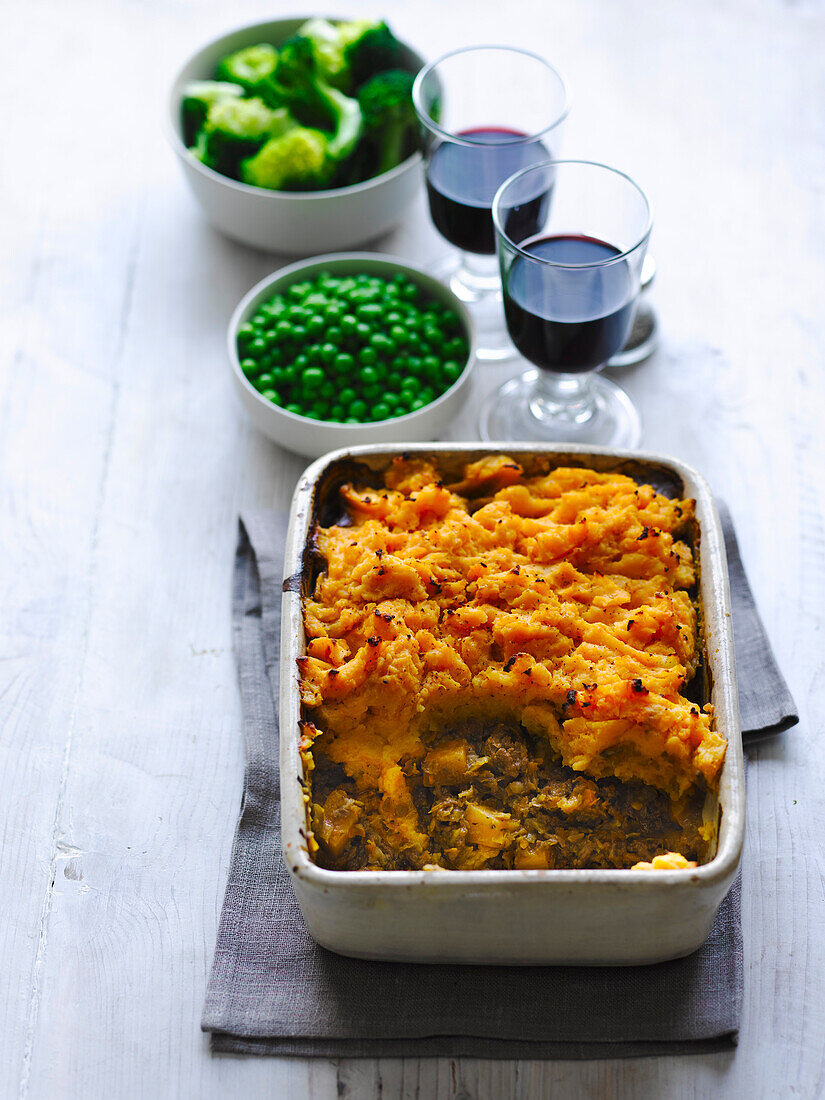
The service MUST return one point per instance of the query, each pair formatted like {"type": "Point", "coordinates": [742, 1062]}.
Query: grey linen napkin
{"type": "Point", "coordinates": [273, 990]}
{"type": "Point", "coordinates": [765, 703]}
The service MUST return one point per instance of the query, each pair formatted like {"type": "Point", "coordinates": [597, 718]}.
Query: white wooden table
{"type": "Point", "coordinates": [125, 460]}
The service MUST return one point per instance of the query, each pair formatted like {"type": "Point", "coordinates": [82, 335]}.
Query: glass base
{"type": "Point", "coordinates": [643, 339]}
{"type": "Point", "coordinates": [476, 282]}
{"type": "Point", "coordinates": [561, 408]}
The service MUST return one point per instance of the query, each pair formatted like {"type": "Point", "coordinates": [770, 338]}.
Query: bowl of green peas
{"type": "Point", "coordinates": [350, 348]}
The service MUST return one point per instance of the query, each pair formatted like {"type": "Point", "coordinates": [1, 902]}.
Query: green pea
{"type": "Point", "coordinates": [257, 346]}
{"type": "Point", "coordinates": [451, 371]}
{"type": "Point", "coordinates": [333, 311]}
{"type": "Point", "coordinates": [328, 352]}
{"type": "Point", "coordinates": [381, 411]}
{"type": "Point", "coordinates": [390, 400]}
{"type": "Point", "coordinates": [315, 325]}
{"type": "Point", "coordinates": [410, 292]}
{"type": "Point", "coordinates": [394, 379]}
{"type": "Point", "coordinates": [427, 395]}
{"type": "Point", "coordinates": [363, 330]}
{"type": "Point", "coordinates": [358, 409]}
{"type": "Point", "coordinates": [312, 377]}
{"type": "Point", "coordinates": [368, 375]}
{"type": "Point", "coordinates": [382, 344]}
{"type": "Point", "coordinates": [433, 336]}
{"type": "Point", "coordinates": [327, 391]}
{"type": "Point", "coordinates": [301, 361]}
{"type": "Point", "coordinates": [352, 420]}
{"type": "Point", "coordinates": [369, 311]}
{"type": "Point", "coordinates": [264, 381]}
{"type": "Point", "coordinates": [394, 317]}
{"type": "Point", "coordinates": [289, 373]}
{"type": "Point", "coordinates": [249, 367]}
{"type": "Point", "coordinates": [246, 332]}
{"type": "Point", "coordinates": [410, 383]}
{"type": "Point", "coordinates": [316, 300]}
{"type": "Point", "coordinates": [271, 395]}
{"type": "Point", "coordinates": [299, 334]}
{"type": "Point", "coordinates": [417, 404]}
{"type": "Point", "coordinates": [430, 366]}
{"type": "Point", "coordinates": [337, 412]}
{"type": "Point", "coordinates": [399, 334]}
{"type": "Point", "coordinates": [371, 392]}
{"type": "Point", "coordinates": [296, 409]}
{"type": "Point", "coordinates": [368, 357]}
{"type": "Point", "coordinates": [347, 395]}
{"type": "Point", "coordinates": [349, 324]}
{"type": "Point", "coordinates": [343, 362]}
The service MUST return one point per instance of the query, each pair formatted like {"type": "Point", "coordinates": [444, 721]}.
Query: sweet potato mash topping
{"type": "Point", "coordinates": [669, 861]}
{"type": "Point", "coordinates": [560, 604]}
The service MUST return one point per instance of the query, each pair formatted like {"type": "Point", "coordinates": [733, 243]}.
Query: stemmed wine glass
{"type": "Point", "coordinates": [485, 113]}
{"type": "Point", "coordinates": [571, 263]}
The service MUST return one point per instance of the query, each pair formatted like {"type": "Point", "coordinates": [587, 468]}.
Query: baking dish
{"type": "Point", "coordinates": [583, 917]}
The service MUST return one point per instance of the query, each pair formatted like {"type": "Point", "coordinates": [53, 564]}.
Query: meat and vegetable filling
{"type": "Point", "coordinates": [494, 675]}
{"type": "Point", "coordinates": [493, 796]}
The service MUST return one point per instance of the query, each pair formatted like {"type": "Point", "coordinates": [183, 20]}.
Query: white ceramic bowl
{"type": "Point", "coordinates": [298, 223]}
{"type": "Point", "coordinates": [315, 437]}
{"type": "Point", "coordinates": [582, 917]}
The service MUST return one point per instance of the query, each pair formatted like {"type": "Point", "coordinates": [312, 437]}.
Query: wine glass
{"type": "Point", "coordinates": [570, 274]}
{"type": "Point", "coordinates": [485, 112]}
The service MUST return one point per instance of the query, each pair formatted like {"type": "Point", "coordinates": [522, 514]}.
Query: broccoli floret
{"type": "Point", "coordinates": [329, 40]}
{"type": "Point", "coordinates": [237, 128]}
{"type": "Point", "coordinates": [198, 97]}
{"type": "Point", "coordinates": [295, 160]}
{"type": "Point", "coordinates": [374, 51]}
{"type": "Point", "coordinates": [314, 102]}
{"type": "Point", "coordinates": [349, 53]}
{"type": "Point", "coordinates": [389, 118]}
{"type": "Point", "coordinates": [250, 67]}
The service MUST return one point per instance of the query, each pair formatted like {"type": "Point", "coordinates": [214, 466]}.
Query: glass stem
{"type": "Point", "coordinates": [563, 397]}
{"type": "Point", "coordinates": [477, 277]}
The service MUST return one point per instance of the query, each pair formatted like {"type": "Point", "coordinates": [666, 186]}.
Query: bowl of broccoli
{"type": "Point", "coordinates": [299, 135]}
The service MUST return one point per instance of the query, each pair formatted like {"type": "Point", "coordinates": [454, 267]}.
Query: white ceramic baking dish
{"type": "Point", "coordinates": [589, 917]}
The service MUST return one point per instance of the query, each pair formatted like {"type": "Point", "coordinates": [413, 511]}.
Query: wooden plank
{"type": "Point", "coordinates": [55, 417]}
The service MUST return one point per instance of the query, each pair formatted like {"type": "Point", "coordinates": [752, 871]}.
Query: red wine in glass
{"type": "Point", "coordinates": [462, 181]}
{"type": "Point", "coordinates": [569, 319]}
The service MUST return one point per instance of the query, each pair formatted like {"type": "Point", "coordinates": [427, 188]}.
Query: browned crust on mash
{"type": "Point", "coordinates": [494, 675]}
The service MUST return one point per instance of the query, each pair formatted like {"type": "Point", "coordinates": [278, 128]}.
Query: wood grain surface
{"type": "Point", "coordinates": [124, 460]}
